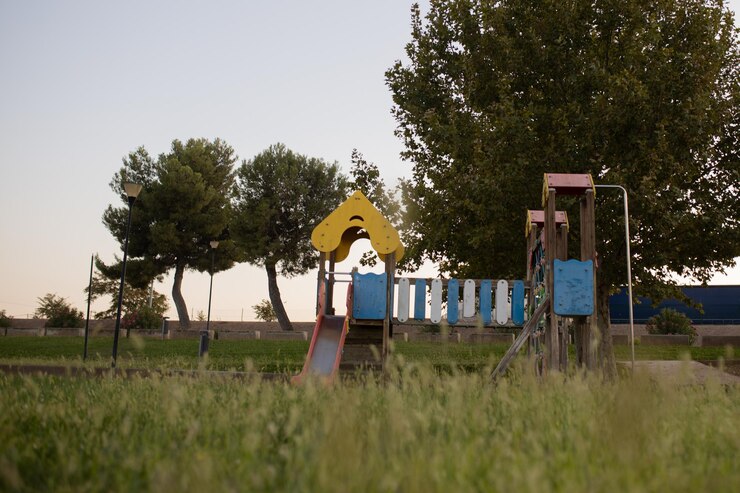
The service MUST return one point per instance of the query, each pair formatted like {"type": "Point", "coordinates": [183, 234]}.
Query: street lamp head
{"type": "Point", "coordinates": [214, 244]}
{"type": "Point", "coordinates": [132, 191]}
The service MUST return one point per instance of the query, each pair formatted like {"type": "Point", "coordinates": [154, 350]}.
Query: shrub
{"type": "Point", "coordinates": [264, 311]}
{"type": "Point", "coordinates": [58, 312]}
{"type": "Point", "coordinates": [669, 321]}
{"type": "Point", "coordinates": [143, 318]}
{"type": "Point", "coordinates": [5, 320]}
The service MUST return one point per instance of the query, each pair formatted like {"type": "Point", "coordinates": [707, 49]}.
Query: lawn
{"type": "Point", "coordinates": [415, 431]}
{"type": "Point", "coordinates": [276, 356]}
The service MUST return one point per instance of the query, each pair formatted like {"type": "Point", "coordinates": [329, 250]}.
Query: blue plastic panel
{"type": "Point", "coordinates": [517, 303]}
{"type": "Point", "coordinates": [453, 297]}
{"type": "Point", "coordinates": [368, 300]}
{"type": "Point", "coordinates": [420, 299]}
{"type": "Point", "coordinates": [574, 287]}
{"type": "Point", "coordinates": [485, 301]}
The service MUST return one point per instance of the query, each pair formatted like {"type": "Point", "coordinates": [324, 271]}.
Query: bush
{"type": "Point", "coordinates": [264, 311]}
{"type": "Point", "coordinates": [58, 312]}
{"type": "Point", "coordinates": [5, 320]}
{"type": "Point", "coordinates": [670, 321]}
{"type": "Point", "coordinates": [143, 318]}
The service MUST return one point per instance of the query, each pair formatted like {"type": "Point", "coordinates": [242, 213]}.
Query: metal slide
{"type": "Point", "coordinates": [327, 342]}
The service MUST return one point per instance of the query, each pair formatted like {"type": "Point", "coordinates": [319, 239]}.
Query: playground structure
{"type": "Point", "coordinates": [555, 289]}
{"type": "Point", "coordinates": [559, 288]}
{"type": "Point", "coordinates": [360, 337]}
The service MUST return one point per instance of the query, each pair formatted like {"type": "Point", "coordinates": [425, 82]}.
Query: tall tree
{"type": "Point", "coordinates": [280, 196]}
{"type": "Point", "coordinates": [642, 93]}
{"type": "Point", "coordinates": [183, 206]}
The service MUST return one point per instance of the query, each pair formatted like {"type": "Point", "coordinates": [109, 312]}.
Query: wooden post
{"type": "Point", "coordinates": [390, 269]}
{"type": "Point", "coordinates": [588, 252]}
{"type": "Point", "coordinates": [551, 328]}
{"type": "Point", "coordinates": [561, 249]}
{"type": "Point", "coordinates": [330, 286]}
{"type": "Point", "coordinates": [531, 243]}
{"type": "Point", "coordinates": [562, 254]}
{"type": "Point", "coordinates": [320, 279]}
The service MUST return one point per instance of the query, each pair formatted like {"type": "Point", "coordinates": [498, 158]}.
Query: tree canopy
{"type": "Point", "coordinates": [106, 281]}
{"type": "Point", "coordinates": [184, 204]}
{"type": "Point", "coordinates": [279, 197]}
{"type": "Point", "coordinates": [58, 312]}
{"type": "Point", "coordinates": [638, 93]}
{"type": "Point", "coordinates": [365, 177]}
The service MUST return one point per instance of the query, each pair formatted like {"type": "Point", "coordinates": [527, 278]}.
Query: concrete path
{"type": "Point", "coordinates": [683, 372]}
{"type": "Point", "coordinates": [78, 371]}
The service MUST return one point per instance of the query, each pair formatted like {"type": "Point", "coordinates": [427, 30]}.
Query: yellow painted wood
{"type": "Point", "coordinates": [354, 219]}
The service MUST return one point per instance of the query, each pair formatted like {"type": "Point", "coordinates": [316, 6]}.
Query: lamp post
{"type": "Point", "coordinates": [629, 266]}
{"type": "Point", "coordinates": [89, 299]}
{"type": "Point", "coordinates": [132, 191]}
{"type": "Point", "coordinates": [203, 348]}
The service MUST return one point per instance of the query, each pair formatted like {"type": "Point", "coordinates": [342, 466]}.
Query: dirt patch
{"type": "Point", "coordinates": [730, 366]}
{"type": "Point", "coordinates": [684, 372]}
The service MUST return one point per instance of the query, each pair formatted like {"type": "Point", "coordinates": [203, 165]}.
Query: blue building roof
{"type": "Point", "coordinates": [721, 305]}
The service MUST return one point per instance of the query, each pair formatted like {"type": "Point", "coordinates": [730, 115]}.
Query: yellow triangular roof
{"type": "Point", "coordinates": [356, 218]}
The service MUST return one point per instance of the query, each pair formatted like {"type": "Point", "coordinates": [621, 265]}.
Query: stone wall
{"type": "Point", "coordinates": [715, 334]}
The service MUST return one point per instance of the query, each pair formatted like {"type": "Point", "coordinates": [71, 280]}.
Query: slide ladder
{"type": "Point", "coordinates": [519, 342]}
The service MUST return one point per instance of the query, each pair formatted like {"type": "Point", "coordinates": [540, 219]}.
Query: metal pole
{"type": "Point", "coordinates": [629, 267]}
{"type": "Point", "coordinates": [164, 326]}
{"type": "Point", "coordinates": [203, 348]}
{"type": "Point", "coordinates": [89, 298]}
{"type": "Point", "coordinates": [120, 289]}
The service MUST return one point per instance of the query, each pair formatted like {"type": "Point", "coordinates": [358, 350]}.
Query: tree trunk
{"type": "Point", "coordinates": [605, 350]}
{"type": "Point", "coordinates": [276, 300]}
{"type": "Point", "coordinates": [182, 309]}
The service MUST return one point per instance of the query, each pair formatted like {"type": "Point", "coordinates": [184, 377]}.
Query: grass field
{"type": "Point", "coordinates": [416, 430]}
{"type": "Point", "coordinates": [276, 356]}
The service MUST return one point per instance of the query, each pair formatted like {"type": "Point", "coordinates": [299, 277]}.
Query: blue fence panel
{"type": "Point", "coordinates": [485, 301]}
{"type": "Point", "coordinates": [420, 299]}
{"type": "Point", "coordinates": [453, 297]}
{"type": "Point", "coordinates": [517, 303]}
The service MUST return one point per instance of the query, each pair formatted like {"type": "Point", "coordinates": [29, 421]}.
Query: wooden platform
{"type": "Point", "coordinates": [362, 347]}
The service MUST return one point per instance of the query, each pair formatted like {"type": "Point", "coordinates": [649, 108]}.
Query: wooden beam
{"type": "Point", "coordinates": [330, 288]}
{"type": "Point", "coordinates": [519, 342]}
{"type": "Point", "coordinates": [551, 328]}
{"type": "Point", "coordinates": [390, 269]}
{"type": "Point", "coordinates": [531, 242]}
{"type": "Point", "coordinates": [588, 252]}
{"type": "Point", "coordinates": [562, 254]}
{"type": "Point", "coordinates": [320, 279]}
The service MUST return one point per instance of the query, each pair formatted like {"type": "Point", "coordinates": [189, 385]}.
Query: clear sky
{"type": "Point", "coordinates": [84, 82]}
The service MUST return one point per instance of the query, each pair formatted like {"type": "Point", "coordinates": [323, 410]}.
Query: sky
{"type": "Point", "coordinates": [83, 83]}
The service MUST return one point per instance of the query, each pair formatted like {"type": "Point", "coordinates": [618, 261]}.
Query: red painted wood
{"type": "Point", "coordinates": [569, 184]}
